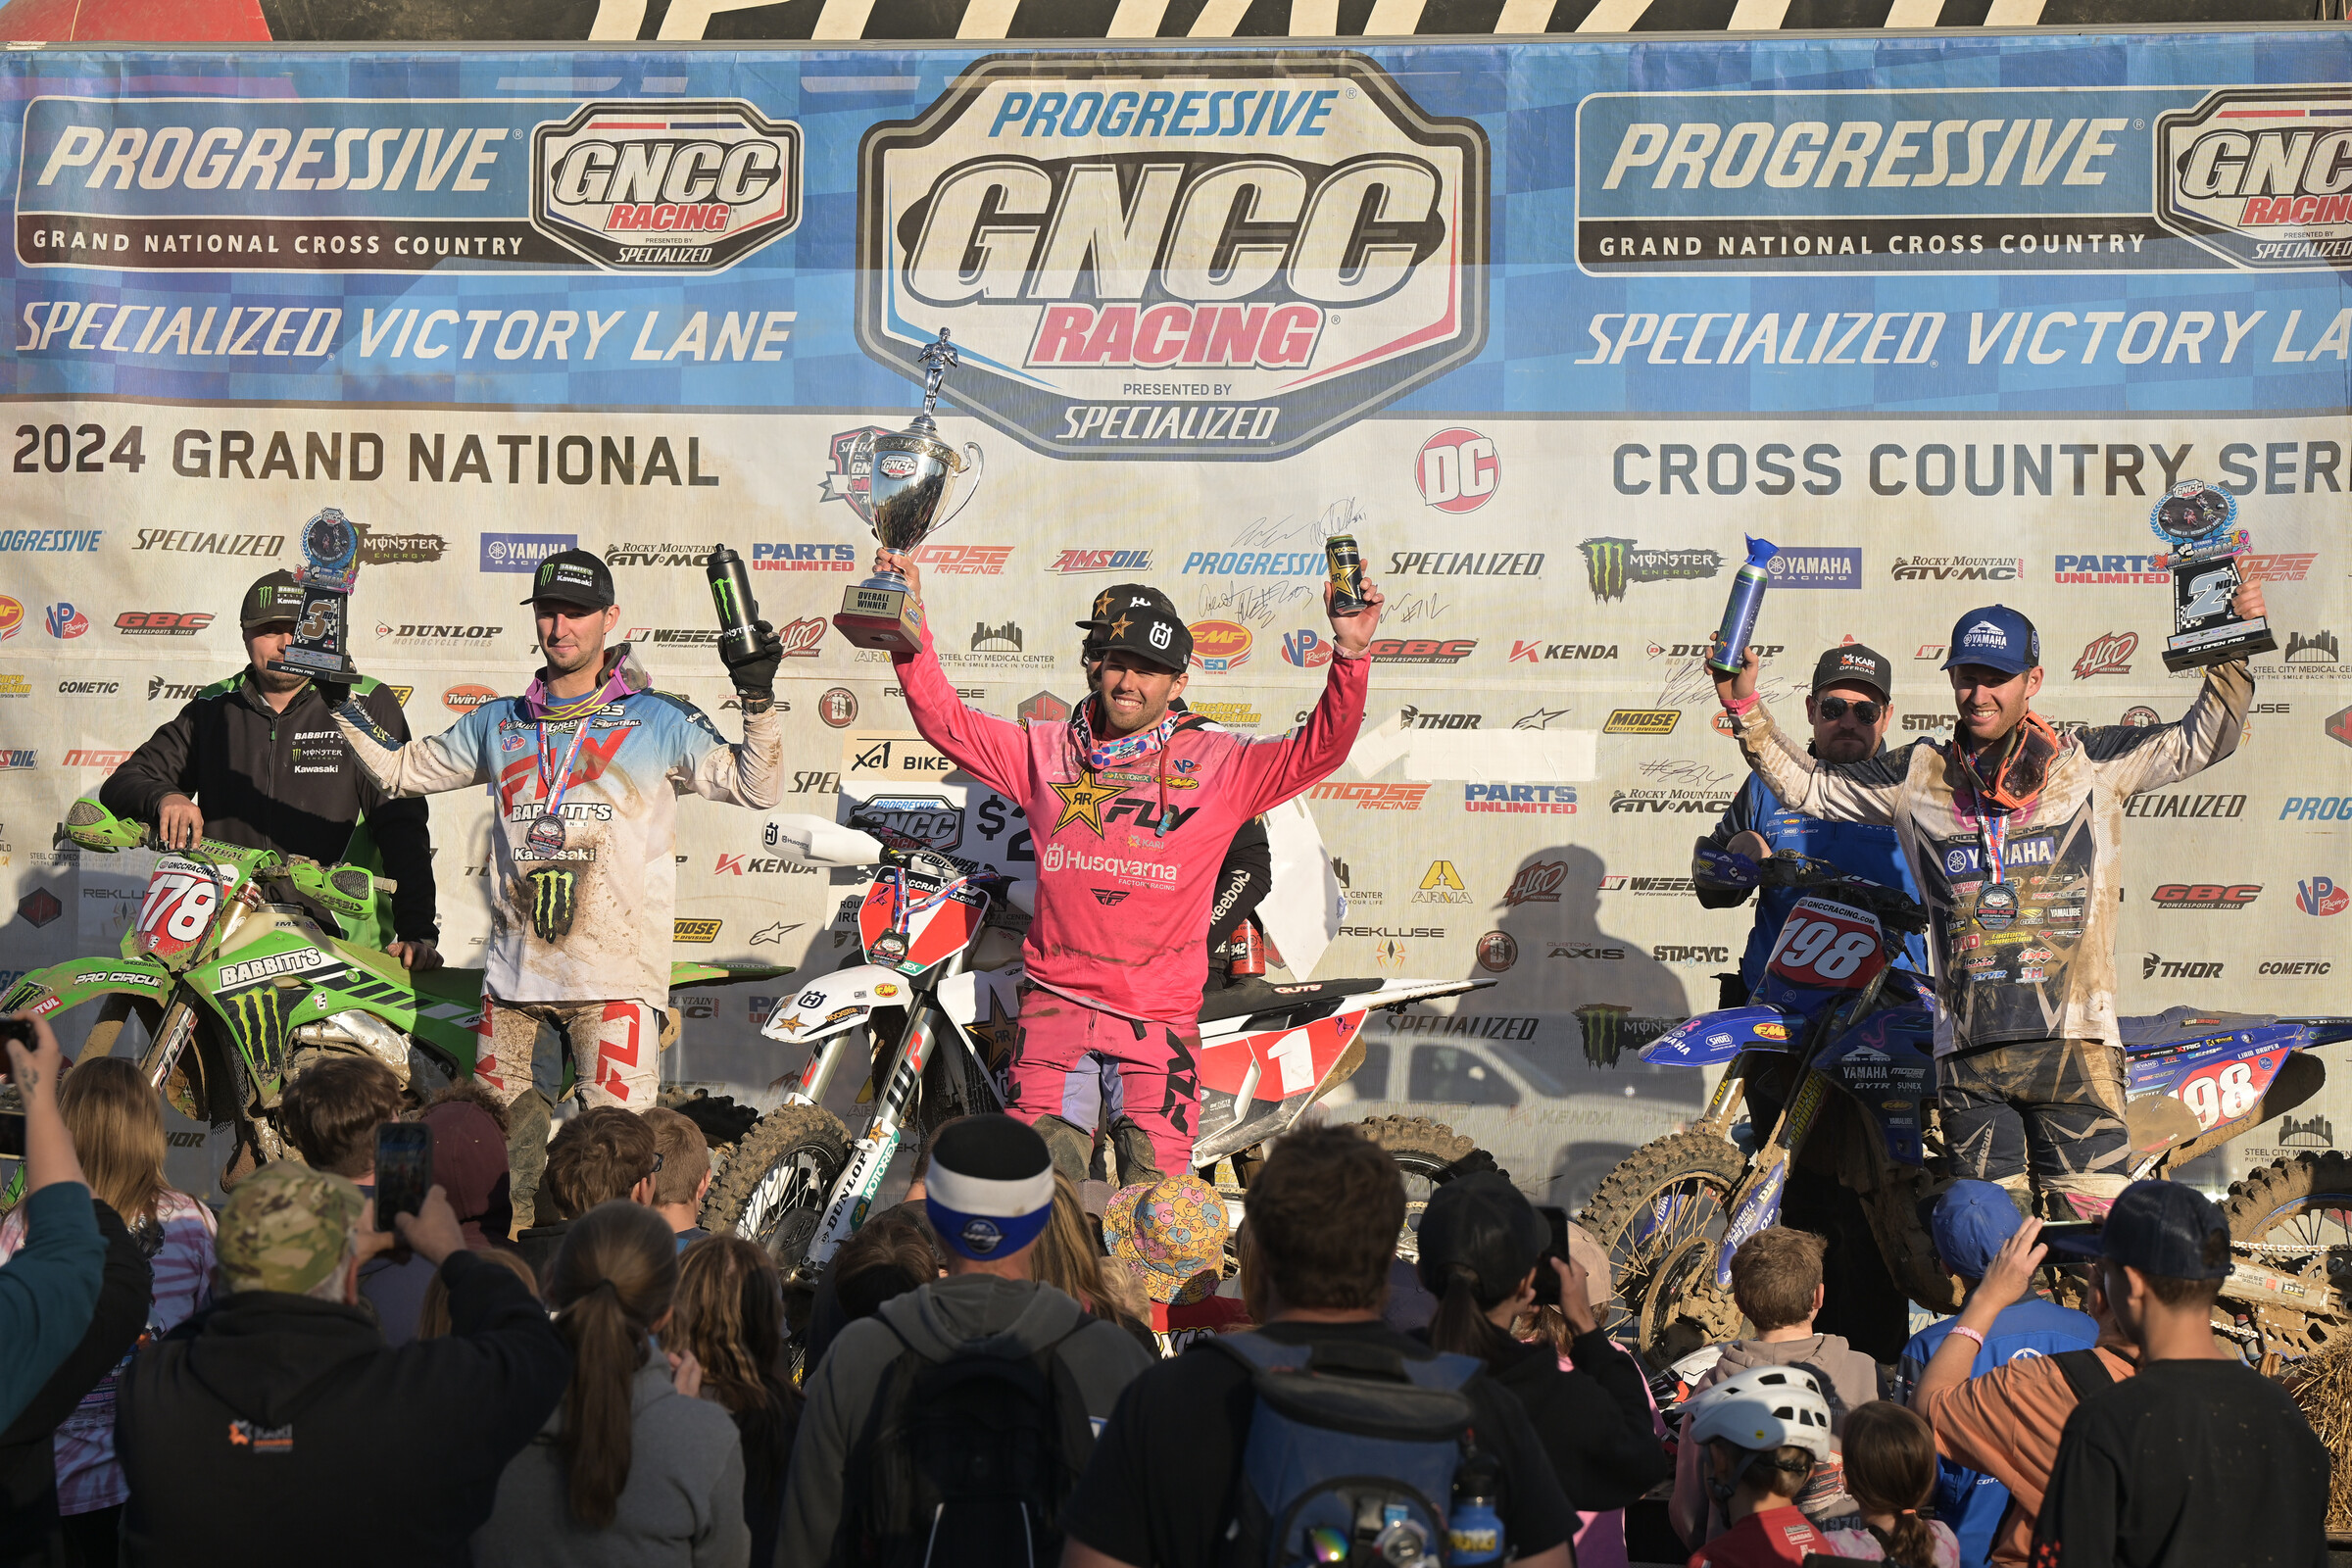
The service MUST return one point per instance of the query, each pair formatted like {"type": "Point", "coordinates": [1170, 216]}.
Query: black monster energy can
{"type": "Point", "coordinates": [1346, 575]}
{"type": "Point", "coordinates": [731, 593]}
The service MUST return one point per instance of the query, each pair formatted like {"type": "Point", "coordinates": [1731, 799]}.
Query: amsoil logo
{"type": "Point", "coordinates": [1073, 218]}
{"type": "Point", "coordinates": [677, 185]}
{"type": "Point", "coordinates": [1075, 562]}
{"type": "Point", "coordinates": [2109, 655]}
{"type": "Point", "coordinates": [2256, 176]}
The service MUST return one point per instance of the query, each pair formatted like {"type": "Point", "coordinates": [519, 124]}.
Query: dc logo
{"type": "Point", "coordinates": [1160, 634]}
{"type": "Point", "coordinates": [1956, 861]}
{"type": "Point", "coordinates": [981, 1235]}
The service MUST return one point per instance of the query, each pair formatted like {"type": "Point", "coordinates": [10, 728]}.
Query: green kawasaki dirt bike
{"type": "Point", "coordinates": [240, 988]}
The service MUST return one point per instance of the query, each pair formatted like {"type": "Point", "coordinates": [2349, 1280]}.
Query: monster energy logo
{"type": "Point", "coordinates": [1612, 563]}
{"type": "Point", "coordinates": [553, 896]}
{"type": "Point", "coordinates": [722, 594]}
{"type": "Point", "coordinates": [1609, 1030]}
{"type": "Point", "coordinates": [258, 1018]}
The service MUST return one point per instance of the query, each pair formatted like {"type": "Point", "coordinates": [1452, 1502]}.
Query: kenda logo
{"type": "Point", "coordinates": [1175, 256]}
{"type": "Point", "coordinates": [2263, 178]}
{"type": "Point", "coordinates": [1991, 179]}
{"type": "Point", "coordinates": [1062, 857]}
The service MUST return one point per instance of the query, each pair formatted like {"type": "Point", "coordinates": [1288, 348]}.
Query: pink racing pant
{"type": "Point", "coordinates": [1093, 1070]}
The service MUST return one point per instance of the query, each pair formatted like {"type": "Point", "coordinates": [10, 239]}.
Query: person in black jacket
{"type": "Point", "coordinates": [1481, 1243]}
{"type": "Point", "coordinates": [278, 1428]}
{"type": "Point", "coordinates": [256, 759]}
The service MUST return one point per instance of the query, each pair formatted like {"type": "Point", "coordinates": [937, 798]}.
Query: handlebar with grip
{"type": "Point", "coordinates": [1893, 906]}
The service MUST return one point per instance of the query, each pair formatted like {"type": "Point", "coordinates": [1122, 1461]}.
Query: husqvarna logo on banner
{"type": "Point", "coordinates": [1170, 256]}
{"type": "Point", "coordinates": [2262, 177]}
{"type": "Point", "coordinates": [669, 185]}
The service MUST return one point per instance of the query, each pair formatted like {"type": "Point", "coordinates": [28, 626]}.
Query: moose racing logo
{"type": "Point", "coordinates": [1172, 256]}
{"type": "Point", "coordinates": [2262, 178]}
{"type": "Point", "coordinates": [695, 187]}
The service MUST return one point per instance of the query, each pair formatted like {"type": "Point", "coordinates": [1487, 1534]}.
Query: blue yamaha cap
{"type": "Point", "coordinates": [1996, 637]}
{"type": "Point", "coordinates": [2159, 1228]}
{"type": "Point", "coordinates": [1971, 1220]}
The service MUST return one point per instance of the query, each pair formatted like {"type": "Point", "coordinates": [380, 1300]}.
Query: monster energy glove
{"type": "Point", "coordinates": [555, 898]}
{"type": "Point", "coordinates": [754, 671]}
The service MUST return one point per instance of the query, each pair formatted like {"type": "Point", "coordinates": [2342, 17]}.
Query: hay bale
{"type": "Point", "coordinates": [2321, 1385]}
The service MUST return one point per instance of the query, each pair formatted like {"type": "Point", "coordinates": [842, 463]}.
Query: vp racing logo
{"type": "Point", "coordinates": [2262, 178]}
{"type": "Point", "coordinates": [1172, 256]}
{"type": "Point", "coordinates": [676, 186]}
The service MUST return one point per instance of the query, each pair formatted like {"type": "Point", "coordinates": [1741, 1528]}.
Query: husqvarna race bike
{"type": "Point", "coordinates": [1844, 1039]}
{"type": "Point", "coordinates": [240, 988]}
{"type": "Point", "coordinates": [936, 1034]}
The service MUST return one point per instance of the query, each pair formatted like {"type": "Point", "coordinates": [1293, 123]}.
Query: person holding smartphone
{"type": "Point", "coordinates": [49, 1287]}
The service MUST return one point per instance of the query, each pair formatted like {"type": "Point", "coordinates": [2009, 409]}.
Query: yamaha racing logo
{"type": "Point", "coordinates": [678, 187]}
{"type": "Point", "coordinates": [1172, 256]}
{"type": "Point", "coordinates": [2262, 178]}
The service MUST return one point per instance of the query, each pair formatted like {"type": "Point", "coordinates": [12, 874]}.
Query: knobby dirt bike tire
{"type": "Point", "coordinates": [757, 1198]}
{"type": "Point", "coordinates": [1673, 1303]}
{"type": "Point", "coordinates": [2263, 1206]}
{"type": "Point", "coordinates": [1422, 1148]}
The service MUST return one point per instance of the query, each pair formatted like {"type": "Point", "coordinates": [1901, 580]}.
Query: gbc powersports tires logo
{"type": "Point", "coordinates": [1171, 256]}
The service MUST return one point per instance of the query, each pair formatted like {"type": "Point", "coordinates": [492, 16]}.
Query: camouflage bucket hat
{"type": "Point", "coordinates": [1170, 1235]}
{"type": "Point", "coordinates": [286, 1227]}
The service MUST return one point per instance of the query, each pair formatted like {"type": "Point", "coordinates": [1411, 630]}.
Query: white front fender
{"type": "Point", "coordinates": [840, 1001]}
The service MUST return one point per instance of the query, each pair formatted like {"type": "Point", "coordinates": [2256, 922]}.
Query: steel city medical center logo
{"type": "Point", "coordinates": [372, 185]}
{"type": "Point", "coordinates": [1175, 256]}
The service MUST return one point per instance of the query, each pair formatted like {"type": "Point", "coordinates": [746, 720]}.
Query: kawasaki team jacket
{"type": "Point", "coordinates": [621, 815]}
{"type": "Point", "coordinates": [283, 782]}
{"type": "Point", "coordinates": [1122, 909]}
{"type": "Point", "coordinates": [2045, 969]}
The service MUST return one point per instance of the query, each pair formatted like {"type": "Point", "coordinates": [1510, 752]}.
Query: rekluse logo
{"type": "Point", "coordinates": [1273, 247]}
{"type": "Point", "coordinates": [693, 185]}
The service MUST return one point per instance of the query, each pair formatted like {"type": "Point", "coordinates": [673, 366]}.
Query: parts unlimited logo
{"type": "Point", "coordinates": [1175, 256]}
{"type": "Point", "coordinates": [2261, 178]}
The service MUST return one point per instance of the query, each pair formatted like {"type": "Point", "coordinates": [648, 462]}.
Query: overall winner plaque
{"type": "Point", "coordinates": [913, 473]}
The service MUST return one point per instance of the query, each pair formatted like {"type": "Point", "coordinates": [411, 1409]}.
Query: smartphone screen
{"type": "Point", "coordinates": [404, 1169]}
{"type": "Point", "coordinates": [12, 1136]}
{"type": "Point", "coordinates": [1547, 1279]}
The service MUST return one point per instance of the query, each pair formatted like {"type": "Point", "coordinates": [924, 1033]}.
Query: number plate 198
{"type": "Point", "coordinates": [1831, 945]}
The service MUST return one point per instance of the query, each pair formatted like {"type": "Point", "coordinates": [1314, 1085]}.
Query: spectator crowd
{"type": "Point", "coordinates": [1011, 1367]}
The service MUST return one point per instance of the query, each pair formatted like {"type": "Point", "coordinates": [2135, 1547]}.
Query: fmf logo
{"type": "Point", "coordinates": [692, 186]}
{"type": "Point", "coordinates": [1281, 245]}
{"type": "Point", "coordinates": [2261, 178]}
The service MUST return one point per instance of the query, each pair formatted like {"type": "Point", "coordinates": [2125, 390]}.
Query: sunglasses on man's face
{"type": "Point", "coordinates": [1835, 709]}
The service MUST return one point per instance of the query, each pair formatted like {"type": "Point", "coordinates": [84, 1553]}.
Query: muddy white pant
{"type": "Point", "coordinates": [615, 1048]}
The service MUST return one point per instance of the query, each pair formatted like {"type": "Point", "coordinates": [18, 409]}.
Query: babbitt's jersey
{"type": "Point", "coordinates": [640, 753]}
{"type": "Point", "coordinates": [2040, 964]}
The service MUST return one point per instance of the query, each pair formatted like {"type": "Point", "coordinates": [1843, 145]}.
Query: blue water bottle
{"type": "Point", "coordinates": [1740, 609]}
{"type": "Point", "coordinates": [1474, 1534]}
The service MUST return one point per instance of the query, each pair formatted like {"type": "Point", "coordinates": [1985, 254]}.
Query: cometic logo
{"type": "Point", "coordinates": [2258, 177]}
{"type": "Point", "coordinates": [1073, 218]}
{"type": "Point", "coordinates": [674, 185]}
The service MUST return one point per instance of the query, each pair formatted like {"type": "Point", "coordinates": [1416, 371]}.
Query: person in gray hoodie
{"type": "Point", "coordinates": [1777, 1282]}
{"type": "Point", "coordinates": [988, 1193]}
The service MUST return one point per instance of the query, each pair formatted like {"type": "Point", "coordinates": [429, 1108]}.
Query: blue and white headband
{"type": "Point", "coordinates": [983, 1218]}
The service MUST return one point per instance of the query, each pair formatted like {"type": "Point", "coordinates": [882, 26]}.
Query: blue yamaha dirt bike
{"type": "Point", "coordinates": [1847, 1040]}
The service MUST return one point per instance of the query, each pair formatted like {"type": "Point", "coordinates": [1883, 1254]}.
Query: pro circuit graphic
{"type": "Point", "coordinates": [1172, 256]}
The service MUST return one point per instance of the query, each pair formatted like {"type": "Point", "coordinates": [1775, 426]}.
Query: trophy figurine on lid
{"type": "Point", "coordinates": [329, 570]}
{"type": "Point", "coordinates": [2194, 519]}
{"type": "Point", "coordinates": [914, 473]}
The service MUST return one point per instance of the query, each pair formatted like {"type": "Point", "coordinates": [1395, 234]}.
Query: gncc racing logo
{"type": "Point", "coordinates": [2263, 180]}
{"type": "Point", "coordinates": [670, 185]}
{"type": "Point", "coordinates": [1173, 255]}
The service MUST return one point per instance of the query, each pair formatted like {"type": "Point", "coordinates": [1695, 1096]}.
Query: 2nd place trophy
{"type": "Point", "coordinates": [912, 474]}
{"type": "Point", "coordinates": [329, 570]}
{"type": "Point", "coordinates": [2194, 521]}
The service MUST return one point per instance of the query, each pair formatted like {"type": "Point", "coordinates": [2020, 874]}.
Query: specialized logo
{"type": "Point", "coordinates": [1458, 470]}
{"type": "Point", "coordinates": [676, 186]}
{"type": "Point", "coordinates": [1537, 882]}
{"type": "Point", "coordinates": [2140, 717]}
{"type": "Point", "coordinates": [1175, 256]}
{"type": "Point", "coordinates": [1612, 563]}
{"type": "Point", "coordinates": [2261, 178]}
{"type": "Point", "coordinates": [1004, 639]}
{"type": "Point", "coordinates": [2165, 803]}
{"type": "Point", "coordinates": [2108, 654]}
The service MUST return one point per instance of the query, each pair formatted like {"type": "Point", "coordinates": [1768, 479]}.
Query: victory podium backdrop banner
{"type": "Point", "coordinates": [1546, 325]}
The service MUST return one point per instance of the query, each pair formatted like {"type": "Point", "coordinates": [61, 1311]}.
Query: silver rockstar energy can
{"type": "Point", "coordinates": [1347, 564]}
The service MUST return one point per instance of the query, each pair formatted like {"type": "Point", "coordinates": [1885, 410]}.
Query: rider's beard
{"type": "Point", "coordinates": [276, 680]}
{"type": "Point", "coordinates": [1844, 745]}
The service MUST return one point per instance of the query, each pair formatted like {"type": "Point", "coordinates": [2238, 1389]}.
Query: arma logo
{"type": "Point", "coordinates": [1175, 256]}
{"type": "Point", "coordinates": [674, 185]}
{"type": "Point", "coordinates": [2258, 177]}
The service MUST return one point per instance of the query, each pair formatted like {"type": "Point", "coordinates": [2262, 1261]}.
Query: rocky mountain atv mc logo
{"type": "Point", "coordinates": [674, 185]}
{"type": "Point", "coordinates": [1175, 256]}
{"type": "Point", "coordinates": [2259, 176]}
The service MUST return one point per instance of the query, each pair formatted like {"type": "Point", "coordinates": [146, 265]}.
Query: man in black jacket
{"type": "Point", "coordinates": [277, 1427]}
{"type": "Point", "coordinates": [256, 759]}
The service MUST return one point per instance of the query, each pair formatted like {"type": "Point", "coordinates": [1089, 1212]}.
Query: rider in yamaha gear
{"type": "Point", "coordinates": [1249, 868]}
{"type": "Point", "coordinates": [1130, 803]}
{"type": "Point", "coordinates": [2011, 829]}
{"type": "Point", "coordinates": [585, 770]}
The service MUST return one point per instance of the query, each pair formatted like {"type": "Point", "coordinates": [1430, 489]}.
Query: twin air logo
{"type": "Point", "coordinates": [1175, 256]}
{"type": "Point", "coordinates": [673, 186]}
{"type": "Point", "coordinates": [2263, 180]}
{"type": "Point", "coordinates": [401, 185]}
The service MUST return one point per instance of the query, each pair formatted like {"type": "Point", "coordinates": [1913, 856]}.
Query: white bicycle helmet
{"type": "Point", "coordinates": [1765, 1407]}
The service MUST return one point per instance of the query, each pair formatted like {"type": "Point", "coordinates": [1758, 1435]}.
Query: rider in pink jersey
{"type": "Point", "coordinates": [1131, 807]}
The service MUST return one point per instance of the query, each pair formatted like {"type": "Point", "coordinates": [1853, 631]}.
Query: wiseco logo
{"type": "Point", "coordinates": [1288, 243]}
{"type": "Point", "coordinates": [2262, 178]}
{"type": "Point", "coordinates": [671, 184]}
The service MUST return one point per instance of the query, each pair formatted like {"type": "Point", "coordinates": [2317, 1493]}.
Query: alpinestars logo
{"type": "Point", "coordinates": [1612, 563]}
{"type": "Point", "coordinates": [1261, 251]}
{"type": "Point", "coordinates": [692, 186]}
{"type": "Point", "coordinates": [2258, 176]}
